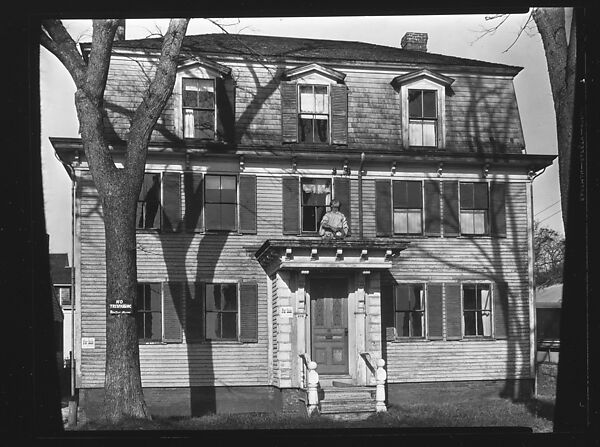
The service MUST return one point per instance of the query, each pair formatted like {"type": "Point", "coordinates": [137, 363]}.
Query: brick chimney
{"type": "Point", "coordinates": [414, 41]}
{"type": "Point", "coordinates": [120, 34]}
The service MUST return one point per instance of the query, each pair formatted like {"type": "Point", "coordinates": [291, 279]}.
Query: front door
{"type": "Point", "coordinates": [329, 321]}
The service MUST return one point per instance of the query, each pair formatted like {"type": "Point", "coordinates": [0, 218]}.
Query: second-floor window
{"type": "Point", "coordinates": [220, 195]}
{"type": "Point", "coordinates": [316, 197]}
{"type": "Point", "coordinates": [408, 207]}
{"type": "Point", "coordinates": [148, 203]}
{"type": "Point", "coordinates": [422, 112]}
{"type": "Point", "coordinates": [199, 119]}
{"type": "Point", "coordinates": [313, 118]}
{"type": "Point", "coordinates": [474, 208]}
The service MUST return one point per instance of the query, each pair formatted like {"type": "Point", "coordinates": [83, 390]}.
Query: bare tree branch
{"type": "Point", "coordinates": [55, 39]}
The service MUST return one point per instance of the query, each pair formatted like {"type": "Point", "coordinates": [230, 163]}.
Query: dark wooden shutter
{"type": "Point", "coordinates": [290, 205]}
{"type": "Point", "coordinates": [225, 90]}
{"type": "Point", "coordinates": [498, 209]}
{"type": "Point", "coordinates": [173, 294]}
{"type": "Point", "coordinates": [249, 312]}
{"type": "Point", "coordinates": [435, 312]}
{"type": "Point", "coordinates": [289, 112]}
{"type": "Point", "coordinates": [248, 204]}
{"type": "Point", "coordinates": [194, 311]}
{"type": "Point", "coordinates": [171, 209]}
{"type": "Point", "coordinates": [387, 311]}
{"type": "Point", "coordinates": [450, 208]}
{"type": "Point", "coordinates": [150, 194]}
{"type": "Point", "coordinates": [342, 193]}
{"type": "Point", "coordinates": [339, 114]}
{"type": "Point", "coordinates": [453, 311]}
{"type": "Point", "coordinates": [383, 207]}
{"type": "Point", "coordinates": [432, 208]}
{"type": "Point", "coordinates": [500, 310]}
{"type": "Point", "coordinates": [193, 192]}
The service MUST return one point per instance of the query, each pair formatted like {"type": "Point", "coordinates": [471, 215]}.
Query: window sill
{"type": "Point", "coordinates": [213, 342]}
{"type": "Point", "coordinates": [476, 339]}
{"type": "Point", "coordinates": [411, 340]}
{"type": "Point", "coordinates": [143, 342]}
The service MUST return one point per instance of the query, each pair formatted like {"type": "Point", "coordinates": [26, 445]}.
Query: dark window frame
{"type": "Point", "coordinates": [208, 202]}
{"type": "Point", "coordinates": [422, 118]}
{"type": "Point", "coordinates": [472, 211]}
{"type": "Point", "coordinates": [221, 312]}
{"type": "Point", "coordinates": [184, 81]}
{"type": "Point", "coordinates": [146, 287]}
{"type": "Point", "coordinates": [479, 311]}
{"type": "Point", "coordinates": [420, 210]}
{"type": "Point", "coordinates": [314, 119]}
{"type": "Point", "coordinates": [409, 312]}
{"type": "Point", "coordinates": [324, 208]}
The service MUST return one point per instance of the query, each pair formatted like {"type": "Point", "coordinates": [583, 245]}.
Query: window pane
{"type": "Point", "coordinates": [414, 195]}
{"type": "Point", "coordinates": [206, 94]}
{"type": "Point", "coordinates": [309, 218]}
{"type": "Point", "coordinates": [470, 300]}
{"type": "Point", "coordinates": [155, 326]}
{"type": "Point", "coordinates": [321, 100]}
{"type": "Point", "coordinates": [486, 323]}
{"type": "Point", "coordinates": [322, 128]}
{"type": "Point", "coordinates": [415, 106]}
{"type": "Point", "coordinates": [429, 134]}
{"type": "Point", "coordinates": [204, 124]}
{"type": "Point", "coordinates": [212, 188]}
{"type": "Point", "coordinates": [400, 221]}
{"type": "Point", "coordinates": [227, 217]}
{"type": "Point", "coordinates": [229, 325]}
{"type": "Point", "coordinates": [466, 196]}
{"type": "Point", "coordinates": [429, 104]}
{"type": "Point", "coordinates": [305, 128]}
{"type": "Point", "coordinates": [479, 220]}
{"type": "Point", "coordinates": [316, 192]}
{"type": "Point", "coordinates": [414, 221]}
{"type": "Point", "coordinates": [484, 298]}
{"type": "Point", "coordinates": [402, 324]}
{"type": "Point", "coordinates": [228, 189]}
{"type": "Point", "coordinates": [139, 320]}
{"type": "Point", "coordinates": [416, 297]}
{"type": "Point", "coordinates": [416, 323]}
{"type": "Point", "coordinates": [480, 196]}
{"type": "Point", "coordinates": [229, 296]}
{"type": "Point", "coordinates": [188, 123]}
{"type": "Point", "coordinates": [155, 297]}
{"type": "Point", "coordinates": [190, 93]}
{"type": "Point", "coordinates": [307, 99]}
{"type": "Point", "coordinates": [212, 325]}
{"type": "Point", "coordinates": [402, 297]}
{"type": "Point", "coordinates": [415, 133]}
{"type": "Point", "coordinates": [466, 222]}
{"type": "Point", "coordinates": [212, 216]}
{"type": "Point", "coordinates": [212, 297]}
{"type": "Point", "coordinates": [470, 328]}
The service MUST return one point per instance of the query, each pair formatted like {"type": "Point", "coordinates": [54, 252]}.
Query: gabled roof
{"type": "Point", "coordinates": [280, 48]}
{"type": "Point", "coordinates": [424, 73]}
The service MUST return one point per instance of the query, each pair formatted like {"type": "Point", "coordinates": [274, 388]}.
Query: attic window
{"type": "Point", "coordinates": [422, 114]}
{"type": "Point", "coordinates": [198, 100]}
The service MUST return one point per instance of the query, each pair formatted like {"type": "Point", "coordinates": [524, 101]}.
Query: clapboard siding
{"type": "Point", "coordinates": [478, 108]}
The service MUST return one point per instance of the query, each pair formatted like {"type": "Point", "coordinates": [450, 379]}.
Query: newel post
{"type": "Point", "coordinates": [313, 392]}
{"type": "Point", "coordinates": [380, 377]}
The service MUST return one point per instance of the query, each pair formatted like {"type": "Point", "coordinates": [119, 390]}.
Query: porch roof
{"type": "Point", "coordinates": [316, 253]}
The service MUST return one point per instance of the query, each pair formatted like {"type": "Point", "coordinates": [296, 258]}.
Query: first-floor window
{"type": "Point", "coordinates": [149, 312]}
{"type": "Point", "coordinates": [221, 311]}
{"type": "Point", "coordinates": [477, 310]}
{"type": "Point", "coordinates": [316, 197]}
{"type": "Point", "coordinates": [409, 307]}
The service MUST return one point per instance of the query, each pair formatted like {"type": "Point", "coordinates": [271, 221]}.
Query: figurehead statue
{"type": "Point", "coordinates": [334, 224]}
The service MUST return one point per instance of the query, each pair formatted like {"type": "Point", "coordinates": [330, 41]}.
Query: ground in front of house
{"type": "Point", "coordinates": [536, 414]}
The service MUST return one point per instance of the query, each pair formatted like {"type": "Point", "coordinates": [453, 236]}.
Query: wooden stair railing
{"type": "Point", "coordinates": [380, 374]}
{"type": "Point", "coordinates": [310, 383]}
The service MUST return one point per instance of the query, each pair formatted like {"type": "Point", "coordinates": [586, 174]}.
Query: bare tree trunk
{"type": "Point", "coordinates": [561, 61]}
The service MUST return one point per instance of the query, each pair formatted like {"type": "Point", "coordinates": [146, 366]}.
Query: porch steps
{"type": "Point", "coordinates": [348, 402]}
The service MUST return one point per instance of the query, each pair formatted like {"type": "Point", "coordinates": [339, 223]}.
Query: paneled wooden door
{"type": "Point", "coordinates": [329, 324]}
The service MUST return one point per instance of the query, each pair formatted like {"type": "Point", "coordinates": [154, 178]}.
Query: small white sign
{"type": "Point", "coordinates": [286, 312]}
{"type": "Point", "coordinates": [88, 343]}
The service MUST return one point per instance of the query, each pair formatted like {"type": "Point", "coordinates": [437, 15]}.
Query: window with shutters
{"type": "Point", "coordinates": [313, 113]}
{"type": "Point", "coordinates": [423, 117]}
{"type": "Point", "coordinates": [474, 209]}
{"type": "Point", "coordinates": [198, 102]}
{"type": "Point", "coordinates": [408, 207]}
{"type": "Point", "coordinates": [316, 197]}
{"type": "Point", "coordinates": [221, 311]}
{"type": "Point", "coordinates": [220, 202]}
{"type": "Point", "coordinates": [149, 312]}
{"type": "Point", "coordinates": [409, 310]}
{"type": "Point", "coordinates": [148, 203]}
{"type": "Point", "coordinates": [477, 309]}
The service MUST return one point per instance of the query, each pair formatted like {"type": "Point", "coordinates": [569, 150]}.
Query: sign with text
{"type": "Point", "coordinates": [120, 307]}
{"type": "Point", "coordinates": [88, 343]}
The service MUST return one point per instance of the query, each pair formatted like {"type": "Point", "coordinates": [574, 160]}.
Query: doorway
{"type": "Point", "coordinates": [329, 324]}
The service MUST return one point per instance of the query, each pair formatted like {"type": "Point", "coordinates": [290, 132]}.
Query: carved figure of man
{"type": "Point", "coordinates": [334, 224]}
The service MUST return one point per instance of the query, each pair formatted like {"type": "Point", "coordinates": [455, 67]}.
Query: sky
{"type": "Point", "coordinates": [453, 35]}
